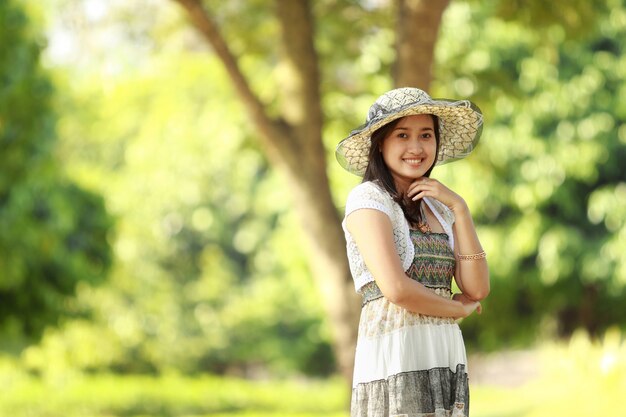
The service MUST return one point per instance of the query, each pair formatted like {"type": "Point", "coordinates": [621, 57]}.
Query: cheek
{"type": "Point", "coordinates": [390, 147]}
{"type": "Point", "coordinates": [432, 147]}
{"type": "Point", "coordinates": [385, 150]}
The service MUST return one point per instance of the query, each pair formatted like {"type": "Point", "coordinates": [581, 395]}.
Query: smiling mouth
{"type": "Point", "coordinates": [414, 161]}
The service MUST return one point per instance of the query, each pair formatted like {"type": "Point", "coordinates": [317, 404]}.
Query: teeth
{"type": "Point", "coordinates": [413, 161]}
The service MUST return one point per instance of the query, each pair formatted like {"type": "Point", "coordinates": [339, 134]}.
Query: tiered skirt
{"type": "Point", "coordinates": [408, 364]}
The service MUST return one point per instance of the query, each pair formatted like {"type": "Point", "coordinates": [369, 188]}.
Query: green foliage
{"type": "Point", "coordinates": [208, 273]}
{"type": "Point", "coordinates": [172, 395]}
{"type": "Point", "coordinates": [576, 17]}
{"type": "Point", "coordinates": [52, 233]}
{"type": "Point", "coordinates": [546, 183]}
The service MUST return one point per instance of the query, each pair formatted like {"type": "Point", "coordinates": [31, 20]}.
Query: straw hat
{"type": "Point", "coordinates": [460, 126]}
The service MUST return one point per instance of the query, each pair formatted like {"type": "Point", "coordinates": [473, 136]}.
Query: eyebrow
{"type": "Point", "coordinates": [422, 129]}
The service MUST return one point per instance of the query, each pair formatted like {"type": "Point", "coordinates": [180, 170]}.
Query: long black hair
{"type": "Point", "coordinates": [378, 171]}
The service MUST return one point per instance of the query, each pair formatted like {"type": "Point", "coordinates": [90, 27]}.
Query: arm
{"type": "Point", "coordinates": [373, 233]}
{"type": "Point", "coordinates": [472, 276]}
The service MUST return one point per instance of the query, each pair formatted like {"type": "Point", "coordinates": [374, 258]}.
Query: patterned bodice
{"type": "Point", "coordinates": [370, 195]}
{"type": "Point", "coordinates": [433, 265]}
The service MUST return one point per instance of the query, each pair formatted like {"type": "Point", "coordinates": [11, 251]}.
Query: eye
{"type": "Point", "coordinates": [402, 135]}
{"type": "Point", "coordinates": [427, 135]}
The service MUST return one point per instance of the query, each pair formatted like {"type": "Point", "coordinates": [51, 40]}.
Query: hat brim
{"type": "Point", "coordinates": [460, 127]}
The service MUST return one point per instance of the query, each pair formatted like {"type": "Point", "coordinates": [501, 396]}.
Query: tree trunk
{"type": "Point", "coordinates": [294, 145]}
{"type": "Point", "coordinates": [306, 172]}
{"type": "Point", "coordinates": [418, 28]}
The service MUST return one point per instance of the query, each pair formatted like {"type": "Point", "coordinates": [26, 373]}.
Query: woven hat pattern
{"type": "Point", "coordinates": [460, 126]}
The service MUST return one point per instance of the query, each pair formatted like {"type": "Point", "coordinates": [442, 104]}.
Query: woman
{"type": "Point", "coordinates": [407, 237]}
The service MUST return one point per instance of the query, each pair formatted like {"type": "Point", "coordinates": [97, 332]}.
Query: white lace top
{"type": "Point", "coordinates": [369, 195]}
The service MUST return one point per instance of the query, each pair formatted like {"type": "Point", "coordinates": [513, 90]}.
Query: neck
{"type": "Point", "coordinates": [402, 184]}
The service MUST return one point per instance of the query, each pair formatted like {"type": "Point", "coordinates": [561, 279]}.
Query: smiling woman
{"type": "Point", "coordinates": [410, 354]}
{"type": "Point", "coordinates": [410, 149]}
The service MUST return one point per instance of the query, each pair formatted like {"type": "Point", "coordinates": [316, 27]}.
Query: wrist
{"type": "Point", "coordinates": [460, 208]}
{"type": "Point", "coordinates": [462, 214]}
{"type": "Point", "coordinates": [458, 309]}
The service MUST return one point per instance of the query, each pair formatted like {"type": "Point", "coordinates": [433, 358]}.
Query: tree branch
{"type": "Point", "coordinates": [274, 132]}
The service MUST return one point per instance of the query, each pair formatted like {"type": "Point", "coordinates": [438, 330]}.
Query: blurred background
{"type": "Point", "coordinates": [170, 203]}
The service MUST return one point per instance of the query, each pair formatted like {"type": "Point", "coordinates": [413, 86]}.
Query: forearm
{"type": "Point", "coordinates": [472, 275]}
{"type": "Point", "coordinates": [415, 297]}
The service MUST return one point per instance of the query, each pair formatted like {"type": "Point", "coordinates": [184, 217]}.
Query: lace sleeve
{"type": "Point", "coordinates": [369, 196]}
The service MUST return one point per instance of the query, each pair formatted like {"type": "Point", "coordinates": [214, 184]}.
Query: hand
{"type": "Point", "coordinates": [429, 187]}
{"type": "Point", "coordinates": [469, 305]}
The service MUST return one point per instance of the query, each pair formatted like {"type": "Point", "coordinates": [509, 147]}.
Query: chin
{"type": "Point", "coordinates": [416, 175]}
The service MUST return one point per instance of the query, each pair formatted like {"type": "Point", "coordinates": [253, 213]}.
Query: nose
{"type": "Point", "coordinates": [415, 146]}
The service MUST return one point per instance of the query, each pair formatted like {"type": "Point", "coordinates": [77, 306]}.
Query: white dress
{"type": "Point", "coordinates": [408, 364]}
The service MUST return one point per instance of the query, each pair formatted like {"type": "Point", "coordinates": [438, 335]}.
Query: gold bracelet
{"type": "Point", "coordinates": [473, 257]}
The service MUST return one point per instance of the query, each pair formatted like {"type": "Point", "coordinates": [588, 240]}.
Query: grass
{"type": "Point", "coordinates": [170, 395]}
{"type": "Point", "coordinates": [580, 378]}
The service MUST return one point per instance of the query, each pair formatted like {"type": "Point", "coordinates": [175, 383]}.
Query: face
{"type": "Point", "coordinates": [410, 149]}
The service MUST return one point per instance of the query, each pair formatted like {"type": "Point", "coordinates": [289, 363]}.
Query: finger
{"type": "Point", "coordinates": [422, 194]}
{"type": "Point", "coordinates": [422, 180]}
{"type": "Point", "coordinates": [416, 187]}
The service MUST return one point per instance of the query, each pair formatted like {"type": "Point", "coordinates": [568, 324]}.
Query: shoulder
{"type": "Point", "coordinates": [369, 195]}
{"type": "Point", "coordinates": [368, 189]}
